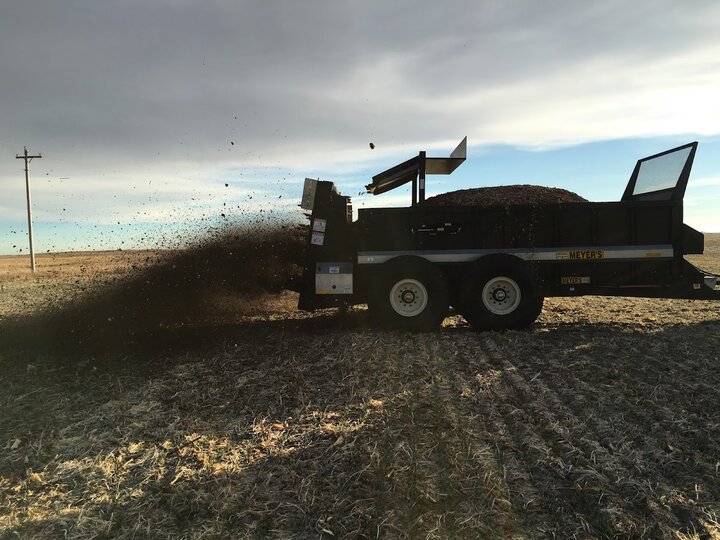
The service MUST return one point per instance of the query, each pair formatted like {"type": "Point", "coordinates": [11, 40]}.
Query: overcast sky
{"type": "Point", "coordinates": [143, 111]}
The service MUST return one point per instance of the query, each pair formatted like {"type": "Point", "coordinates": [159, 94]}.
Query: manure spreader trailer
{"type": "Point", "coordinates": [495, 264]}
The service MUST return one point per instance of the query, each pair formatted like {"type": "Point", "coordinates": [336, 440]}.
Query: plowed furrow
{"type": "Point", "coordinates": [476, 470]}
{"type": "Point", "coordinates": [645, 467]}
{"type": "Point", "coordinates": [536, 467]}
{"type": "Point", "coordinates": [614, 467]}
{"type": "Point", "coordinates": [599, 492]}
{"type": "Point", "coordinates": [646, 427]}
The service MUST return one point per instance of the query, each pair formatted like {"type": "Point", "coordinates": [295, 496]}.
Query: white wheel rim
{"type": "Point", "coordinates": [408, 297]}
{"type": "Point", "coordinates": [501, 295]}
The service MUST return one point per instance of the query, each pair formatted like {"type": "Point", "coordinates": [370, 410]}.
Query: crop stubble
{"type": "Point", "coordinates": [601, 421]}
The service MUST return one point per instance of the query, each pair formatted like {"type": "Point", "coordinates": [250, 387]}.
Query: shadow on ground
{"type": "Point", "coordinates": [179, 403]}
{"type": "Point", "coordinates": [321, 427]}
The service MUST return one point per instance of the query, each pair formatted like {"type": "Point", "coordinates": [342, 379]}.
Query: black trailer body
{"type": "Point", "coordinates": [495, 264]}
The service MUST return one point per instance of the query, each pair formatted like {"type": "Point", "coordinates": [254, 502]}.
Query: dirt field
{"type": "Point", "coordinates": [250, 419]}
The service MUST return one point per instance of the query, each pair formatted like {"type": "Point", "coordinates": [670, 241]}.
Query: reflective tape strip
{"type": "Point", "coordinates": [582, 254]}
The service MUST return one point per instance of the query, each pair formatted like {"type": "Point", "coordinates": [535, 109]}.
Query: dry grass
{"type": "Point", "coordinates": [62, 277]}
{"type": "Point", "coordinates": [600, 422]}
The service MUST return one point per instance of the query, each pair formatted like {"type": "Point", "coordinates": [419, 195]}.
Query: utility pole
{"type": "Point", "coordinates": [28, 159]}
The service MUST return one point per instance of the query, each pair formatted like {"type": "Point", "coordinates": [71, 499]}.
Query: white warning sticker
{"type": "Point", "coordinates": [317, 238]}
{"type": "Point", "coordinates": [319, 225]}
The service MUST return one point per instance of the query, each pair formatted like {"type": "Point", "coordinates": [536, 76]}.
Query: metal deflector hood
{"type": "Point", "coordinates": [408, 171]}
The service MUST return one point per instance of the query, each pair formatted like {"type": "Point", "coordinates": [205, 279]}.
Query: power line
{"type": "Point", "coordinates": [28, 158]}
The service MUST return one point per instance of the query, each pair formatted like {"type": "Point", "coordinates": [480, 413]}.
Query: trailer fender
{"type": "Point", "coordinates": [500, 291]}
{"type": "Point", "coordinates": [410, 293]}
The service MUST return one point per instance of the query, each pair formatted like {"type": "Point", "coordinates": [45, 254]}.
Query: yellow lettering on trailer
{"type": "Point", "coordinates": [586, 255]}
{"type": "Point", "coordinates": [574, 280]}
{"type": "Point", "coordinates": [580, 255]}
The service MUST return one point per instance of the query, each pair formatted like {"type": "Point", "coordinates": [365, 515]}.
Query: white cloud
{"type": "Point", "coordinates": [263, 94]}
{"type": "Point", "coordinates": [704, 182]}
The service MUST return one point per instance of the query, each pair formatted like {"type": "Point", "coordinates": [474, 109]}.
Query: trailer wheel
{"type": "Point", "coordinates": [412, 294]}
{"type": "Point", "coordinates": [500, 292]}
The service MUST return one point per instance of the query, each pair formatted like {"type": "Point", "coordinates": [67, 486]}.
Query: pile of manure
{"type": "Point", "coordinates": [522, 194]}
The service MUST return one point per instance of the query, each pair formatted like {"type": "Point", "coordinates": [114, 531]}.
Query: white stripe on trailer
{"type": "Point", "coordinates": [594, 253]}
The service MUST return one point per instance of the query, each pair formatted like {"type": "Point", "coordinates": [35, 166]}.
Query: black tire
{"type": "Point", "coordinates": [499, 292]}
{"type": "Point", "coordinates": [419, 300]}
